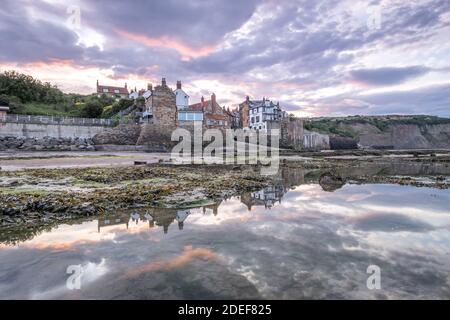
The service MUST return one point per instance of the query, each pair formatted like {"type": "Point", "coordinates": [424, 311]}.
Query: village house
{"type": "Point", "coordinates": [115, 92]}
{"type": "Point", "coordinates": [182, 99]}
{"type": "Point", "coordinates": [214, 116]}
{"type": "Point", "coordinates": [234, 117]}
{"type": "Point", "coordinates": [256, 114]}
{"type": "Point", "coordinates": [160, 105]}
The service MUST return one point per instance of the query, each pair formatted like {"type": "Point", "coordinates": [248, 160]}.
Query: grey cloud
{"type": "Point", "coordinates": [388, 75]}
{"type": "Point", "coordinates": [196, 22]}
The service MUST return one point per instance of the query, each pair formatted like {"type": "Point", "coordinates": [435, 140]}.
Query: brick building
{"type": "Point", "coordinates": [214, 116]}
{"type": "Point", "coordinates": [115, 92]}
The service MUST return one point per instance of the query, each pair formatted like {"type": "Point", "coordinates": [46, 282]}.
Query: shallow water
{"type": "Point", "coordinates": [284, 242]}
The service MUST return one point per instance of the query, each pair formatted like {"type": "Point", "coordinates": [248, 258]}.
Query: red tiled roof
{"type": "Point", "coordinates": [111, 89]}
{"type": "Point", "coordinates": [215, 116]}
{"type": "Point", "coordinates": [197, 106]}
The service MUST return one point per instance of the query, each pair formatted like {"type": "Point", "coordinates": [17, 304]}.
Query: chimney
{"type": "Point", "coordinates": [97, 82]}
{"type": "Point", "coordinates": [178, 84]}
{"type": "Point", "coordinates": [213, 102]}
{"type": "Point", "coordinates": [247, 98]}
{"type": "Point", "coordinates": [149, 87]}
{"type": "Point", "coordinates": [163, 82]}
{"type": "Point", "coordinates": [125, 85]}
{"type": "Point", "coordinates": [202, 100]}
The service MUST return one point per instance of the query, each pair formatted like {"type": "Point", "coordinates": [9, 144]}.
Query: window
{"type": "Point", "coordinates": [190, 116]}
{"type": "Point", "coordinates": [253, 119]}
{"type": "Point", "coordinates": [105, 90]}
{"type": "Point", "coordinates": [257, 118]}
{"type": "Point", "coordinates": [116, 91]}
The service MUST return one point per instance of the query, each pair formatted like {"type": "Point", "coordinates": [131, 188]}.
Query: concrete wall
{"type": "Point", "coordinates": [315, 141]}
{"type": "Point", "coordinates": [29, 130]}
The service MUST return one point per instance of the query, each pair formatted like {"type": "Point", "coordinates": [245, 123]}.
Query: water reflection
{"type": "Point", "coordinates": [297, 241]}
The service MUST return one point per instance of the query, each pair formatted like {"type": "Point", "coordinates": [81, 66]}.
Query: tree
{"type": "Point", "coordinates": [92, 109]}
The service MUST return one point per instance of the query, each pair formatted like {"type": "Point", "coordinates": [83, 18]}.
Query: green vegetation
{"type": "Point", "coordinates": [26, 95]}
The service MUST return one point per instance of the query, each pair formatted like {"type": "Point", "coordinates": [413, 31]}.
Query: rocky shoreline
{"type": "Point", "coordinates": [31, 197]}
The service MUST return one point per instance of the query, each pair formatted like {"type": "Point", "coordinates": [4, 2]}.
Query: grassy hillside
{"type": "Point", "coordinates": [29, 96]}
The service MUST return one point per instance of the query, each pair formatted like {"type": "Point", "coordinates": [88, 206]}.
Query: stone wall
{"type": "Point", "coordinates": [156, 136]}
{"type": "Point", "coordinates": [123, 134]}
{"type": "Point", "coordinates": [39, 131]}
{"type": "Point", "coordinates": [164, 105]}
{"type": "Point", "coordinates": [291, 132]}
{"type": "Point", "coordinates": [47, 143]}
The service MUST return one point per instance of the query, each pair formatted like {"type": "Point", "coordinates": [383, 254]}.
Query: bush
{"type": "Point", "coordinates": [92, 109]}
{"type": "Point", "coordinates": [107, 112]}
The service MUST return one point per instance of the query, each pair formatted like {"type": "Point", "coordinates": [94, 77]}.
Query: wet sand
{"type": "Point", "coordinates": [24, 160]}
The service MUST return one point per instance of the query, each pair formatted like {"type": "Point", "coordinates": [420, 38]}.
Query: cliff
{"type": "Point", "coordinates": [388, 132]}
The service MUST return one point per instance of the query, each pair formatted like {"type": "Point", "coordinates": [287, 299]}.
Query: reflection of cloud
{"type": "Point", "coordinates": [312, 245]}
{"type": "Point", "coordinates": [187, 256]}
{"type": "Point", "coordinates": [390, 222]}
{"type": "Point", "coordinates": [90, 272]}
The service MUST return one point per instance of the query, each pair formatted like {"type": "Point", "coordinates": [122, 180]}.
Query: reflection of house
{"type": "Point", "coordinates": [181, 216]}
{"type": "Point", "coordinates": [286, 179]}
{"type": "Point", "coordinates": [113, 220]}
{"type": "Point", "coordinates": [266, 197]}
{"type": "Point", "coordinates": [212, 208]}
{"type": "Point", "coordinates": [116, 92]}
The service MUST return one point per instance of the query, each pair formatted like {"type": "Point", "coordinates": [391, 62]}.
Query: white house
{"type": "Point", "coordinates": [262, 111]}
{"type": "Point", "coordinates": [182, 99]}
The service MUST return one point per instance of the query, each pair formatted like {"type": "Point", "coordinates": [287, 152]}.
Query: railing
{"type": "Point", "coordinates": [126, 111]}
{"type": "Point", "coordinates": [18, 118]}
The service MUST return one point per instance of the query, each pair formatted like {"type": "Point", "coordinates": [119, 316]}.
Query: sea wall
{"type": "Point", "coordinates": [39, 131]}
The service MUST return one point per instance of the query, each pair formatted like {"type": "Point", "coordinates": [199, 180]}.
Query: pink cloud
{"type": "Point", "coordinates": [187, 52]}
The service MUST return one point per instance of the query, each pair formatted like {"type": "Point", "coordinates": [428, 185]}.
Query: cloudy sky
{"type": "Point", "coordinates": [317, 57]}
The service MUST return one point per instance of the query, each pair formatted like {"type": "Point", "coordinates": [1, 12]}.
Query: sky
{"type": "Point", "coordinates": [316, 57]}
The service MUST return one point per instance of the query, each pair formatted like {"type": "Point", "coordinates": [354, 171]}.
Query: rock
{"type": "Point", "coordinates": [123, 134]}
{"type": "Point", "coordinates": [331, 182]}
